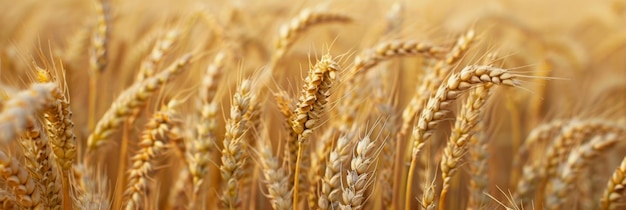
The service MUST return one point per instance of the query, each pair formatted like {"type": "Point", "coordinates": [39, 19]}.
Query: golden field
{"type": "Point", "coordinates": [369, 104]}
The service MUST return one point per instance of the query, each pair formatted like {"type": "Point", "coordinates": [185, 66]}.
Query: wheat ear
{"type": "Point", "coordinates": [276, 179]}
{"type": "Point", "coordinates": [21, 109]}
{"type": "Point", "coordinates": [199, 154]}
{"type": "Point", "coordinates": [390, 49]}
{"type": "Point", "coordinates": [478, 167]}
{"type": "Point", "coordinates": [286, 107]}
{"type": "Point", "coordinates": [20, 182]}
{"type": "Point", "coordinates": [99, 41]}
{"type": "Point", "coordinates": [331, 182]}
{"type": "Point", "coordinates": [130, 100]}
{"type": "Point", "coordinates": [576, 162]}
{"type": "Point", "coordinates": [456, 147]}
{"type": "Point", "coordinates": [318, 162]}
{"type": "Point", "coordinates": [360, 176]}
{"type": "Point", "coordinates": [163, 127]}
{"type": "Point", "coordinates": [59, 126]}
{"type": "Point", "coordinates": [310, 107]}
{"type": "Point", "coordinates": [232, 152]}
{"type": "Point", "coordinates": [479, 156]}
{"type": "Point", "coordinates": [429, 83]}
{"type": "Point", "coordinates": [438, 106]}
{"type": "Point", "coordinates": [97, 55]}
{"type": "Point", "coordinates": [41, 169]}
{"type": "Point", "coordinates": [615, 188]}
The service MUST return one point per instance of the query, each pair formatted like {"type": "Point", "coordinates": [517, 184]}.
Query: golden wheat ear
{"type": "Point", "coordinates": [309, 110]}
{"type": "Point", "coordinates": [202, 146]}
{"type": "Point", "coordinates": [276, 178]}
{"type": "Point", "coordinates": [161, 129]}
{"type": "Point", "coordinates": [330, 195]}
{"type": "Point", "coordinates": [40, 165]}
{"type": "Point", "coordinates": [457, 144]}
{"type": "Point", "coordinates": [360, 175]}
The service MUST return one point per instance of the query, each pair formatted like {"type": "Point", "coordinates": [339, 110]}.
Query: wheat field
{"type": "Point", "coordinates": [372, 104]}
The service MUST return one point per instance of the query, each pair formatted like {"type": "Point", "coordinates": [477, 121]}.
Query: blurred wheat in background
{"type": "Point", "coordinates": [373, 104]}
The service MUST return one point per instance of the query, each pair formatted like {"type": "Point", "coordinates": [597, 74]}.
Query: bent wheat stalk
{"type": "Point", "coordinates": [437, 106]}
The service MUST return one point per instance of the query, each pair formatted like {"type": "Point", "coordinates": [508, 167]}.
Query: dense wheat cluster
{"type": "Point", "coordinates": [372, 104]}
